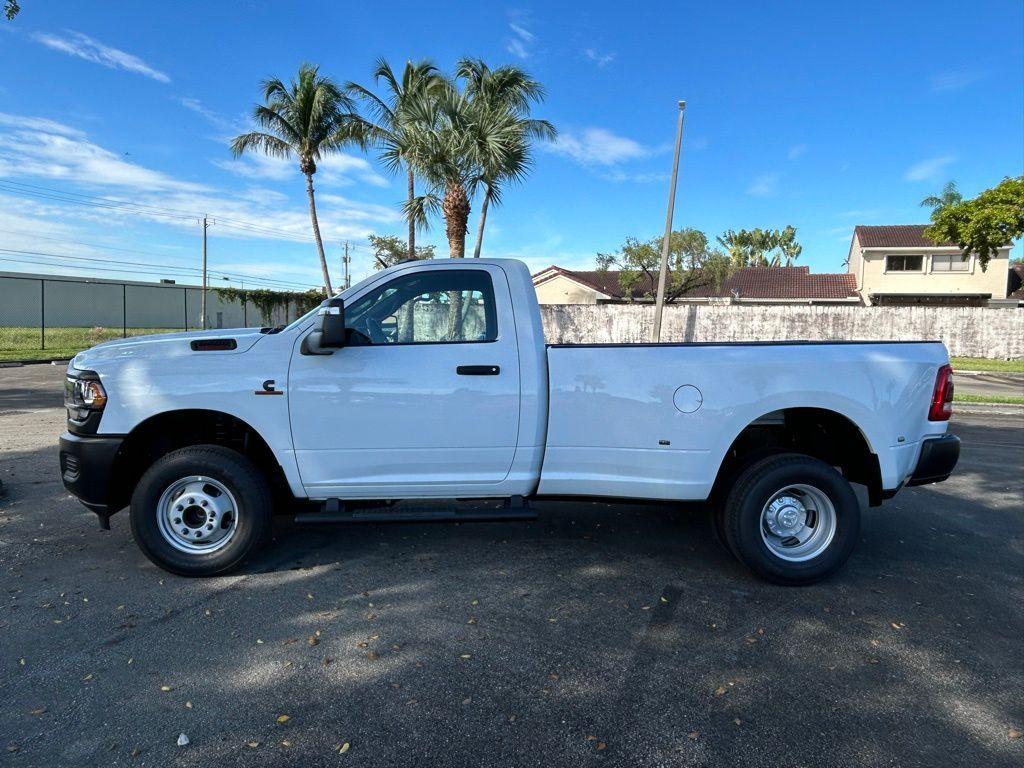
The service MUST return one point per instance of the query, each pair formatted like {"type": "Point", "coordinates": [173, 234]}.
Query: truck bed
{"type": "Point", "coordinates": [648, 420]}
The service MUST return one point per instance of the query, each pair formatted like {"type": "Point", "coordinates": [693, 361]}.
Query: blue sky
{"type": "Point", "coordinates": [819, 115]}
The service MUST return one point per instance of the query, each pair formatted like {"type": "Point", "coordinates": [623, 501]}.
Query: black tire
{"type": "Point", "coordinates": [721, 495]}
{"type": "Point", "coordinates": [233, 470]}
{"type": "Point", "coordinates": [753, 489]}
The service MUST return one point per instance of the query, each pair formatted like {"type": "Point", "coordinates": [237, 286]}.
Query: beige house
{"type": "Point", "coordinates": [898, 265]}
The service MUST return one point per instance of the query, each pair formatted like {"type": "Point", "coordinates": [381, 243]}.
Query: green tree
{"type": "Point", "coordinates": [984, 224]}
{"type": "Point", "coordinates": [388, 126]}
{"type": "Point", "coordinates": [389, 250]}
{"type": "Point", "coordinates": [11, 9]}
{"type": "Point", "coordinates": [692, 265]}
{"type": "Point", "coordinates": [950, 196]}
{"type": "Point", "coordinates": [511, 90]}
{"type": "Point", "coordinates": [761, 247]}
{"type": "Point", "coordinates": [308, 118]}
{"type": "Point", "coordinates": [455, 137]}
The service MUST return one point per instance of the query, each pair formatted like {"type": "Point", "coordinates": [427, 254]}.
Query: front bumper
{"type": "Point", "coordinates": [86, 466]}
{"type": "Point", "coordinates": [938, 458]}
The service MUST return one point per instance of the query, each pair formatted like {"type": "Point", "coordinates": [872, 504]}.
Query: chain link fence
{"type": "Point", "coordinates": [57, 317]}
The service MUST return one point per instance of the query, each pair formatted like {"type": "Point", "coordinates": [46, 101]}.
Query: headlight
{"type": "Point", "coordinates": [82, 395]}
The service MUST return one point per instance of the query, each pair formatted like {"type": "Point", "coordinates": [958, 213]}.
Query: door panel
{"type": "Point", "coordinates": [398, 413]}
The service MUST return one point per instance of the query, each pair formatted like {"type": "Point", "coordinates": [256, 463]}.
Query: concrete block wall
{"type": "Point", "coordinates": [966, 331]}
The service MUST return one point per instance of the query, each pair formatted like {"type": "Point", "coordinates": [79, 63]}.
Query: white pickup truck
{"type": "Point", "coordinates": [431, 380]}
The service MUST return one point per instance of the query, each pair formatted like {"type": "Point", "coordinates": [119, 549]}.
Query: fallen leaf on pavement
{"type": "Point", "coordinates": [1013, 734]}
{"type": "Point", "coordinates": [165, 688]}
{"type": "Point", "coordinates": [344, 748]}
{"type": "Point", "coordinates": [283, 718]}
{"type": "Point", "coordinates": [693, 735]}
{"type": "Point", "coordinates": [182, 740]}
{"type": "Point", "coordinates": [253, 744]}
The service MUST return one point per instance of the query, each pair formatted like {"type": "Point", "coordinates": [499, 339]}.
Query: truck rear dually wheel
{"type": "Point", "coordinates": [200, 510]}
{"type": "Point", "coordinates": [791, 518]}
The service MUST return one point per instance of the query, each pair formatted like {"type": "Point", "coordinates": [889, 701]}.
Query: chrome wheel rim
{"type": "Point", "coordinates": [197, 515]}
{"type": "Point", "coordinates": [798, 522]}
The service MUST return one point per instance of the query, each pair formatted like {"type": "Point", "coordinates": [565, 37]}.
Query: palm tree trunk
{"type": "Point", "coordinates": [480, 226]}
{"type": "Point", "coordinates": [455, 208]}
{"type": "Point", "coordinates": [316, 234]}
{"type": "Point", "coordinates": [412, 222]}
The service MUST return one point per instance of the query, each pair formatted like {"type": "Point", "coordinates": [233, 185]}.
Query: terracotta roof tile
{"type": "Point", "coordinates": [896, 236]}
{"type": "Point", "coordinates": [746, 283]}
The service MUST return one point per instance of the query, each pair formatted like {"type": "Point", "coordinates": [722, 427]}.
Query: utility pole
{"type": "Point", "coordinates": [659, 306]}
{"type": "Point", "coordinates": [345, 261]}
{"type": "Point", "coordinates": [202, 294]}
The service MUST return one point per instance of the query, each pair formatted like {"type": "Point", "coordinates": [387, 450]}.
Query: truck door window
{"type": "Point", "coordinates": [443, 306]}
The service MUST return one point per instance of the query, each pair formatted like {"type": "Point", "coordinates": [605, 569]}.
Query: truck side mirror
{"type": "Point", "coordinates": [332, 319]}
{"type": "Point", "coordinates": [329, 332]}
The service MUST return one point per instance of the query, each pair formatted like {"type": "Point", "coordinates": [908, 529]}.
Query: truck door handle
{"type": "Point", "coordinates": [478, 370]}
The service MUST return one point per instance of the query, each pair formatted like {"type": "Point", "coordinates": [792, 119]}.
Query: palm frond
{"type": "Point", "coordinates": [263, 142]}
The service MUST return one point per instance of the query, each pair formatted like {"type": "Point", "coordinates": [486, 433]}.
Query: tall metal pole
{"type": "Point", "coordinates": [345, 261]}
{"type": "Point", "coordinates": [202, 299]}
{"type": "Point", "coordinates": [659, 306]}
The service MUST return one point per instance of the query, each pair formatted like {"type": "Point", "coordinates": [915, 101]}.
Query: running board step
{"type": "Point", "coordinates": [337, 513]}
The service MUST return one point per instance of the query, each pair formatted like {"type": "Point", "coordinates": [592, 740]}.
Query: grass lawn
{"type": "Point", "coordinates": [1003, 399]}
{"type": "Point", "coordinates": [61, 343]}
{"type": "Point", "coordinates": [984, 364]}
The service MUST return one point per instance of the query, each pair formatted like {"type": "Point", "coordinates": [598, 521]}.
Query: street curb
{"type": "Point", "coordinates": [1012, 374]}
{"type": "Point", "coordinates": [1009, 409]}
{"type": "Point", "coordinates": [19, 363]}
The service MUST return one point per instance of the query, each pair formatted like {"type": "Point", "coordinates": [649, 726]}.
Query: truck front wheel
{"type": "Point", "coordinates": [792, 519]}
{"type": "Point", "coordinates": [200, 510]}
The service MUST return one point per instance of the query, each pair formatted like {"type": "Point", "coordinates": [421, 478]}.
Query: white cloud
{"type": "Point", "coordinates": [520, 44]}
{"type": "Point", "coordinates": [212, 117]}
{"type": "Point", "coordinates": [597, 146]}
{"type": "Point", "coordinates": [33, 149]}
{"type": "Point", "coordinates": [928, 169]}
{"type": "Point", "coordinates": [339, 170]}
{"type": "Point", "coordinates": [765, 185]}
{"type": "Point", "coordinates": [85, 47]}
{"type": "Point", "coordinates": [953, 80]}
{"type": "Point", "coordinates": [795, 151]}
{"type": "Point", "coordinates": [601, 59]}
{"type": "Point", "coordinates": [39, 147]}
{"type": "Point", "coordinates": [637, 178]}
{"type": "Point", "coordinates": [522, 32]}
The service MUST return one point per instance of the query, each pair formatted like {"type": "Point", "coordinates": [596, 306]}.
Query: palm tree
{"type": "Point", "coordinates": [512, 90]}
{"type": "Point", "coordinates": [950, 196]}
{"type": "Point", "coordinates": [308, 118]}
{"type": "Point", "coordinates": [389, 127]}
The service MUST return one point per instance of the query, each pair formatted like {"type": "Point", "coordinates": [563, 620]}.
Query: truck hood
{"type": "Point", "coordinates": [164, 345]}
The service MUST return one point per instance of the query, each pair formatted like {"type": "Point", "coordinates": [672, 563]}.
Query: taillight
{"type": "Point", "coordinates": [942, 396]}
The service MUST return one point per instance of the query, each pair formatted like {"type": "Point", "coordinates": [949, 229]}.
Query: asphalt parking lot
{"type": "Point", "coordinates": [598, 634]}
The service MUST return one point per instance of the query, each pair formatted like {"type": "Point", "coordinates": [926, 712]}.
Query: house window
{"type": "Point", "coordinates": [951, 262]}
{"type": "Point", "coordinates": [903, 263]}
